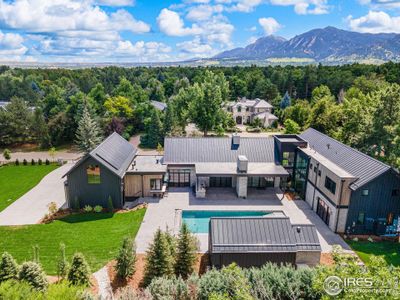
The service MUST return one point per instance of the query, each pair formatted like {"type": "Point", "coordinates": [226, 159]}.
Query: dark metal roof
{"type": "Point", "coordinates": [115, 153]}
{"type": "Point", "coordinates": [260, 234]}
{"type": "Point", "coordinates": [213, 149]}
{"type": "Point", "coordinates": [360, 165]}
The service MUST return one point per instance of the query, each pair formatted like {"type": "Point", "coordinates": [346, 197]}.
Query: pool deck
{"type": "Point", "coordinates": [166, 213]}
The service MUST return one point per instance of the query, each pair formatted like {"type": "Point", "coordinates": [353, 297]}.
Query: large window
{"type": "Point", "coordinates": [323, 211]}
{"type": "Point", "coordinates": [93, 174]}
{"type": "Point", "coordinates": [155, 184]}
{"type": "Point", "coordinates": [300, 178]}
{"type": "Point", "coordinates": [330, 185]}
{"type": "Point", "coordinates": [179, 178]}
{"type": "Point", "coordinates": [239, 108]}
{"type": "Point", "coordinates": [288, 159]}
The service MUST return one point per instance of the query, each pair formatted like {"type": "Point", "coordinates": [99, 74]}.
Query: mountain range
{"type": "Point", "coordinates": [326, 45]}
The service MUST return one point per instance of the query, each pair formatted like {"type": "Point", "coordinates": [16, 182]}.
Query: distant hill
{"type": "Point", "coordinates": [327, 45]}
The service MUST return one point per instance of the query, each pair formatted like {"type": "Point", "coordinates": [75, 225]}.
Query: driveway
{"type": "Point", "coordinates": [165, 213]}
{"type": "Point", "coordinates": [31, 207]}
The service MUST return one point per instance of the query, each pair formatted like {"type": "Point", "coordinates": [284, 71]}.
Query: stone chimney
{"type": "Point", "coordinates": [242, 164]}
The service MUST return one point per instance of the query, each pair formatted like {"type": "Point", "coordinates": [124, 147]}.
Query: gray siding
{"type": "Point", "coordinates": [94, 194]}
{"type": "Point", "coordinates": [377, 204]}
{"type": "Point", "coordinates": [247, 260]}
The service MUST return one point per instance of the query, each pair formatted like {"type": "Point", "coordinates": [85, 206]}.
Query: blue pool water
{"type": "Point", "coordinates": [198, 220]}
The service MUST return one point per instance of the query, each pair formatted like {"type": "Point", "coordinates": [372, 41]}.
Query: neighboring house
{"type": "Point", "coordinates": [246, 111]}
{"type": "Point", "coordinates": [255, 241]}
{"type": "Point", "coordinates": [350, 191]}
{"type": "Point", "coordinates": [161, 106]}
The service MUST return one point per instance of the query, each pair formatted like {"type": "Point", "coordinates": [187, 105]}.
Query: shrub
{"type": "Point", "coordinates": [110, 205]}
{"type": "Point", "coordinates": [8, 267]}
{"type": "Point", "coordinates": [169, 288]}
{"type": "Point", "coordinates": [126, 259]}
{"type": "Point", "coordinates": [98, 209]}
{"type": "Point", "coordinates": [17, 162]}
{"type": "Point", "coordinates": [33, 274]}
{"type": "Point", "coordinates": [211, 282]}
{"type": "Point", "coordinates": [47, 162]}
{"type": "Point", "coordinates": [33, 162]}
{"type": "Point", "coordinates": [15, 290]}
{"type": "Point", "coordinates": [88, 208]}
{"type": "Point", "coordinates": [63, 290]}
{"type": "Point", "coordinates": [25, 162]}
{"type": "Point", "coordinates": [40, 162]}
{"type": "Point", "coordinates": [129, 293]}
{"type": "Point", "coordinates": [7, 154]}
{"type": "Point", "coordinates": [62, 265]}
{"type": "Point", "coordinates": [52, 206]}
{"type": "Point", "coordinates": [186, 253]}
{"type": "Point", "coordinates": [159, 261]}
{"type": "Point", "coordinates": [79, 273]}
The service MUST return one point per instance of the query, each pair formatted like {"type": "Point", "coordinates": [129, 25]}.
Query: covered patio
{"type": "Point", "coordinates": [241, 178]}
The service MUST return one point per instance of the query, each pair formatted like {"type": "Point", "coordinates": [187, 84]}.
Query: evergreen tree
{"type": "Point", "coordinates": [159, 261]}
{"type": "Point", "coordinates": [79, 273]}
{"type": "Point", "coordinates": [126, 259]}
{"type": "Point", "coordinates": [153, 135]}
{"type": "Point", "coordinates": [62, 266]}
{"type": "Point", "coordinates": [33, 274]}
{"type": "Point", "coordinates": [186, 253]}
{"type": "Point", "coordinates": [8, 267]}
{"type": "Point", "coordinates": [88, 133]}
{"type": "Point", "coordinates": [169, 119]}
{"type": "Point", "coordinates": [286, 101]}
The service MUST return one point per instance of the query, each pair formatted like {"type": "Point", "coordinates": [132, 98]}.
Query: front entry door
{"type": "Point", "coordinates": [220, 181]}
{"type": "Point", "coordinates": [323, 211]}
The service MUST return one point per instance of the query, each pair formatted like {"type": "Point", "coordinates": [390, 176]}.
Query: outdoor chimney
{"type": "Point", "coordinates": [242, 164]}
{"type": "Point", "coordinates": [235, 139]}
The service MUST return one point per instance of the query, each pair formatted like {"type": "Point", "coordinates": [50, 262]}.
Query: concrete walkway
{"type": "Point", "coordinates": [31, 207]}
{"type": "Point", "coordinates": [165, 213]}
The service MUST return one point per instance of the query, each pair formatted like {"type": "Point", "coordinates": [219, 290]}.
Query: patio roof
{"type": "Point", "coordinates": [254, 169]}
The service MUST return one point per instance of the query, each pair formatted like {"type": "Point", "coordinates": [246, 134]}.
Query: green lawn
{"type": "Point", "coordinates": [17, 180]}
{"type": "Point", "coordinates": [97, 236]}
{"type": "Point", "coordinates": [389, 250]}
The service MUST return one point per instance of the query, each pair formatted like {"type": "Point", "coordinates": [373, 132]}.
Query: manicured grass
{"type": "Point", "coordinates": [389, 250]}
{"type": "Point", "coordinates": [17, 180]}
{"type": "Point", "coordinates": [97, 235]}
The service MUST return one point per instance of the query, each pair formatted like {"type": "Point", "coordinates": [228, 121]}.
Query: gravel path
{"type": "Point", "coordinates": [105, 290]}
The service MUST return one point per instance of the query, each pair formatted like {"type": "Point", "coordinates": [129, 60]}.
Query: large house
{"type": "Point", "coordinates": [350, 191]}
{"type": "Point", "coordinates": [245, 111]}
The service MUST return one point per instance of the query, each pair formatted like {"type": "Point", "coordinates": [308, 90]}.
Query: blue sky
{"type": "Point", "coordinates": [143, 30]}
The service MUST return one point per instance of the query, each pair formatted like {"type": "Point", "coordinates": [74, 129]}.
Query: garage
{"type": "Point", "coordinates": [252, 242]}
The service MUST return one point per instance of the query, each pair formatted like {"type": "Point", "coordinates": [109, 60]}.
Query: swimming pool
{"type": "Point", "coordinates": [198, 220]}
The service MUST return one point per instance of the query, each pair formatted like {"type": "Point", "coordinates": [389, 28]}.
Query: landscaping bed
{"type": "Point", "coordinates": [15, 181]}
{"type": "Point", "coordinates": [390, 251]}
{"type": "Point", "coordinates": [97, 235]}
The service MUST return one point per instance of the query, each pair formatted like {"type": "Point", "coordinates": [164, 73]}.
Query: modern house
{"type": "Point", "coordinates": [245, 111]}
{"type": "Point", "coordinates": [350, 191]}
{"type": "Point", "coordinates": [255, 241]}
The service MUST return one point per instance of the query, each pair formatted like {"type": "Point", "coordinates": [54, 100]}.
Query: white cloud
{"type": "Point", "coordinates": [376, 4]}
{"type": "Point", "coordinates": [270, 25]}
{"type": "Point", "coordinates": [116, 2]}
{"type": "Point", "coordinates": [195, 47]}
{"type": "Point", "coordinates": [203, 12]}
{"type": "Point", "coordinates": [11, 44]}
{"type": "Point", "coordinates": [172, 24]}
{"type": "Point", "coordinates": [304, 7]}
{"type": "Point", "coordinates": [241, 5]}
{"type": "Point", "coordinates": [375, 22]}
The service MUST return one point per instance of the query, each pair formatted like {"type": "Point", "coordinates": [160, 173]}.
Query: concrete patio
{"type": "Point", "coordinates": [165, 213]}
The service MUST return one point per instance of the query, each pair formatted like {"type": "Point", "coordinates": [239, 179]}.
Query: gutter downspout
{"type": "Point", "coordinates": [340, 203]}
{"type": "Point", "coordinates": [315, 186]}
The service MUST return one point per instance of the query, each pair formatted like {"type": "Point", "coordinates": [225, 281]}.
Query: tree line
{"type": "Point", "coordinates": [356, 104]}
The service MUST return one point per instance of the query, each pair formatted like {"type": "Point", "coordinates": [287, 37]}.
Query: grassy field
{"type": "Point", "coordinates": [97, 236]}
{"type": "Point", "coordinates": [17, 180]}
{"type": "Point", "coordinates": [389, 250]}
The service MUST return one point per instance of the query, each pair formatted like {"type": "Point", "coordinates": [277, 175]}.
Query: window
{"type": "Point", "coordinates": [247, 108]}
{"type": "Point", "coordinates": [361, 218]}
{"type": "Point", "coordinates": [155, 184]}
{"type": "Point", "coordinates": [310, 166]}
{"type": "Point", "coordinates": [288, 159]}
{"type": "Point", "coordinates": [389, 219]}
{"type": "Point", "coordinates": [395, 192]}
{"type": "Point", "coordinates": [365, 192]}
{"type": "Point", "coordinates": [239, 108]}
{"type": "Point", "coordinates": [93, 174]}
{"type": "Point", "coordinates": [319, 173]}
{"type": "Point", "coordinates": [315, 169]}
{"type": "Point", "coordinates": [330, 185]}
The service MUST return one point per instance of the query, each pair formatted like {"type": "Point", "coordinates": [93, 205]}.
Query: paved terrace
{"type": "Point", "coordinates": [165, 213]}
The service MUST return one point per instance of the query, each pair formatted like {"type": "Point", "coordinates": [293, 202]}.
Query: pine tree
{"type": "Point", "coordinates": [159, 261]}
{"type": "Point", "coordinates": [32, 273]}
{"type": "Point", "coordinates": [126, 259]}
{"type": "Point", "coordinates": [79, 273]}
{"type": "Point", "coordinates": [88, 133]}
{"type": "Point", "coordinates": [169, 119]}
{"type": "Point", "coordinates": [8, 267]}
{"type": "Point", "coordinates": [286, 101]}
{"type": "Point", "coordinates": [186, 253]}
{"type": "Point", "coordinates": [153, 135]}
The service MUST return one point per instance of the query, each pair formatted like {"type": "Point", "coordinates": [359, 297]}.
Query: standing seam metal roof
{"type": "Point", "coordinates": [261, 234]}
{"type": "Point", "coordinates": [360, 165]}
{"type": "Point", "coordinates": [212, 149]}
